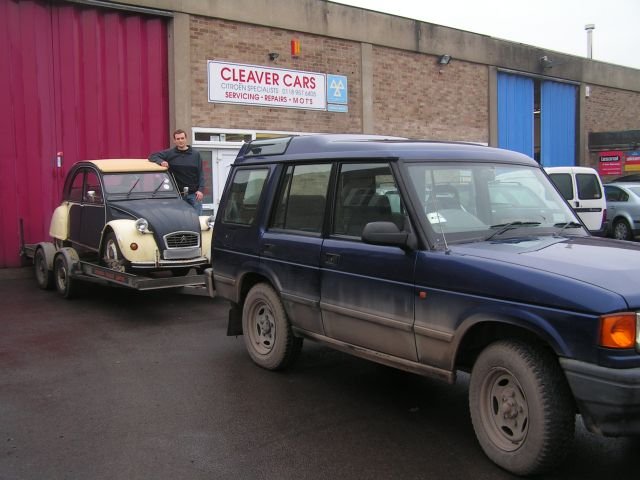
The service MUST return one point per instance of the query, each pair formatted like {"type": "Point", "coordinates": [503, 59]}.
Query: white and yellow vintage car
{"type": "Point", "coordinates": [127, 215]}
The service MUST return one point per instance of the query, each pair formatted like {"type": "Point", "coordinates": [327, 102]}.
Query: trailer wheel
{"type": "Point", "coordinates": [44, 276]}
{"type": "Point", "coordinates": [65, 283]}
{"type": "Point", "coordinates": [111, 254]}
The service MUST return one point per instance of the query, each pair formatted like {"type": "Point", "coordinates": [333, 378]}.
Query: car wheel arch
{"type": "Point", "coordinates": [621, 218]}
{"type": "Point", "coordinates": [249, 279]}
{"type": "Point", "coordinates": [477, 332]}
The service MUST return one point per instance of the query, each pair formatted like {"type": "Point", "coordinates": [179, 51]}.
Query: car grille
{"type": "Point", "coordinates": [182, 240]}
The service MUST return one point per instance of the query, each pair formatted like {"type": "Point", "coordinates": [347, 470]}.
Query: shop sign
{"type": "Point", "coordinates": [632, 162]}
{"type": "Point", "coordinates": [337, 93]}
{"type": "Point", "coordinates": [610, 163]}
{"type": "Point", "coordinates": [271, 87]}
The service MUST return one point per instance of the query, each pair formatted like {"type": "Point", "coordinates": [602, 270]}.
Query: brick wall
{"type": "Point", "coordinates": [609, 110]}
{"type": "Point", "coordinates": [416, 97]}
{"type": "Point", "coordinates": [213, 39]}
{"type": "Point", "coordinates": [413, 96]}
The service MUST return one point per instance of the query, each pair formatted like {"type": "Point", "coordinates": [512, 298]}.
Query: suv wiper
{"type": "Point", "coordinates": [566, 225]}
{"type": "Point", "coordinates": [509, 226]}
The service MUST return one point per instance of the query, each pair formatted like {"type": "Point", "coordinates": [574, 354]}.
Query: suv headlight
{"type": "Point", "coordinates": [142, 225]}
{"type": "Point", "coordinates": [210, 221]}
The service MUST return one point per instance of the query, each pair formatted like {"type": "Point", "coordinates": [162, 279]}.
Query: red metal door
{"type": "Point", "coordinates": [85, 81]}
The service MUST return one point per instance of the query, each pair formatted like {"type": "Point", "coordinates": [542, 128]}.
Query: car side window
{"type": "Point", "coordinates": [564, 183]}
{"type": "Point", "coordinates": [242, 201]}
{"type": "Point", "coordinates": [302, 198]}
{"type": "Point", "coordinates": [75, 190]}
{"type": "Point", "coordinates": [366, 193]}
{"type": "Point", "coordinates": [92, 192]}
{"type": "Point", "coordinates": [588, 186]}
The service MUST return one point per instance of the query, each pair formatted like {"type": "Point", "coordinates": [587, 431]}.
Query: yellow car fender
{"type": "Point", "coordinates": [59, 226]}
{"type": "Point", "coordinates": [135, 246]}
{"type": "Point", "coordinates": [206, 236]}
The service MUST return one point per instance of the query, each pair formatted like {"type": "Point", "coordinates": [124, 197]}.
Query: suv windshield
{"type": "Point", "coordinates": [145, 184]}
{"type": "Point", "coordinates": [471, 202]}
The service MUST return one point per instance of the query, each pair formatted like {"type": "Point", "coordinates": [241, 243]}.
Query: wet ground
{"type": "Point", "coordinates": [118, 384]}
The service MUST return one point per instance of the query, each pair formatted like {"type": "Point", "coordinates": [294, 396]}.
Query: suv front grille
{"type": "Point", "coordinates": [182, 240]}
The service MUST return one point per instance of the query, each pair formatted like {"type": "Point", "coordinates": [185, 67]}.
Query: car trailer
{"type": "Point", "coordinates": [62, 269]}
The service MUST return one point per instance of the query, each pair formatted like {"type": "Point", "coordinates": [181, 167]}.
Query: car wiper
{"type": "Point", "coordinates": [566, 225]}
{"type": "Point", "coordinates": [163, 182]}
{"type": "Point", "coordinates": [509, 226]}
{"type": "Point", "coordinates": [133, 186]}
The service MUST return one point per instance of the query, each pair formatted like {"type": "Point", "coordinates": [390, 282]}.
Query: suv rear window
{"type": "Point", "coordinates": [302, 198]}
{"type": "Point", "coordinates": [246, 189]}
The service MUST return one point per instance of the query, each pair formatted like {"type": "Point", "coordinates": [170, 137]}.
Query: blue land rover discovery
{"type": "Point", "coordinates": [436, 258]}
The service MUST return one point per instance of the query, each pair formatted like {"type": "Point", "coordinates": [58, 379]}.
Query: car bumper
{"type": "Point", "coordinates": [604, 230]}
{"type": "Point", "coordinates": [608, 398]}
{"type": "Point", "coordinates": [161, 264]}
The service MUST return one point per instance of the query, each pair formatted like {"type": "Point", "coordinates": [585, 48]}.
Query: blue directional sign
{"type": "Point", "coordinates": [337, 91]}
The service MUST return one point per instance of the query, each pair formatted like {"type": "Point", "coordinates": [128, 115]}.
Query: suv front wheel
{"type": "Point", "coordinates": [521, 407]}
{"type": "Point", "coordinates": [267, 330]}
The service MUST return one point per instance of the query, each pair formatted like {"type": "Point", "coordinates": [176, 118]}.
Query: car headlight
{"type": "Point", "coordinates": [142, 225]}
{"type": "Point", "coordinates": [210, 221]}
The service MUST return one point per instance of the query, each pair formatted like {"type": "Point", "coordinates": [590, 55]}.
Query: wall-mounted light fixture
{"type": "Point", "coordinates": [545, 62]}
{"type": "Point", "coordinates": [273, 56]}
{"type": "Point", "coordinates": [444, 59]}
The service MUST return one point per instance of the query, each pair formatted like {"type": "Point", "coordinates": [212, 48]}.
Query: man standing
{"type": "Point", "coordinates": [186, 166]}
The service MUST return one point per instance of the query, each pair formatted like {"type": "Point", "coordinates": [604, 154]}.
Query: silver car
{"type": "Point", "coordinates": [623, 209]}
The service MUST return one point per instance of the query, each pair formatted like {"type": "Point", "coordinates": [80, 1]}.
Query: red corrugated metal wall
{"type": "Point", "coordinates": [85, 81]}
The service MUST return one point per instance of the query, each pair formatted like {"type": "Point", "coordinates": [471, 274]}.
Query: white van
{"type": "Point", "coordinates": [582, 188]}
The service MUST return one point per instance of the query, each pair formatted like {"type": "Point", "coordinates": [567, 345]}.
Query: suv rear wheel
{"type": "Point", "coordinates": [267, 330]}
{"type": "Point", "coordinates": [521, 407]}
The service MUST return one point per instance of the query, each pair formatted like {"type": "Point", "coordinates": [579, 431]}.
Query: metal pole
{"type": "Point", "coordinates": [590, 28]}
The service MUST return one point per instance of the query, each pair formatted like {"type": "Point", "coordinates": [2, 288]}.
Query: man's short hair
{"type": "Point", "coordinates": [179, 131]}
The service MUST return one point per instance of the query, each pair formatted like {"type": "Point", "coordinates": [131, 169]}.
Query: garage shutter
{"type": "Point", "coordinates": [515, 113]}
{"type": "Point", "coordinates": [85, 81]}
{"type": "Point", "coordinates": [558, 124]}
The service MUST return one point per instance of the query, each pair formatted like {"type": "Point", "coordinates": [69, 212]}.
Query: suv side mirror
{"type": "Point", "coordinates": [384, 233]}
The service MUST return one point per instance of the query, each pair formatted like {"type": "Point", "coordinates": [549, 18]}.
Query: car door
{"type": "Point", "coordinates": [74, 198]}
{"type": "Point", "coordinates": [235, 250]}
{"type": "Point", "coordinates": [290, 247]}
{"type": "Point", "coordinates": [583, 190]}
{"type": "Point", "coordinates": [93, 211]}
{"type": "Point", "coordinates": [367, 293]}
{"type": "Point", "coordinates": [591, 199]}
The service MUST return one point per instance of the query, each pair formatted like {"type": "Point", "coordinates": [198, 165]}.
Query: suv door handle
{"type": "Point", "coordinates": [331, 258]}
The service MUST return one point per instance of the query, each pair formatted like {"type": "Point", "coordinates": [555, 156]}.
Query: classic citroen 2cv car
{"type": "Point", "coordinates": [126, 215]}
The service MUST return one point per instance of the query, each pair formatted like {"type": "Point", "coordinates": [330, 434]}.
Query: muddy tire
{"type": "Point", "coordinates": [66, 285]}
{"type": "Point", "coordinates": [44, 276]}
{"type": "Point", "coordinates": [267, 332]}
{"type": "Point", "coordinates": [521, 407]}
{"type": "Point", "coordinates": [112, 256]}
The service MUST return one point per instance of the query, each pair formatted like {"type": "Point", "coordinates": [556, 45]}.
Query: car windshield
{"type": "Point", "coordinates": [139, 184]}
{"type": "Point", "coordinates": [471, 202]}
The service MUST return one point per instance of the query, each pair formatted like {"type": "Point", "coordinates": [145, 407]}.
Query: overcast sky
{"type": "Point", "coordinates": [552, 24]}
